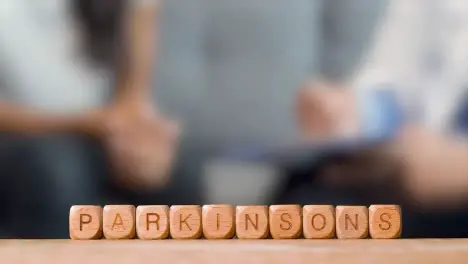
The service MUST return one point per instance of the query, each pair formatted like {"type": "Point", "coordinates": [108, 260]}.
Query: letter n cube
{"type": "Point", "coordinates": [252, 222]}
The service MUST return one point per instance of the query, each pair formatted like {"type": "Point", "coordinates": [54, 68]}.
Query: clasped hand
{"type": "Point", "coordinates": [140, 142]}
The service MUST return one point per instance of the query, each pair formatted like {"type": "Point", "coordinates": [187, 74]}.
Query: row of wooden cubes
{"type": "Point", "coordinates": [226, 221]}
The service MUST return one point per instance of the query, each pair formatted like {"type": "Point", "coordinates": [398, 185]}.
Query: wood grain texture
{"type": "Point", "coordinates": [319, 221]}
{"type": "Point", "coordinates": [385, 221]}
{"type": "Point", "coordinates": [252, 222]}
{"type": "Point", "coordinates": [185, 221]}
{"type": "Point", "coordinates": [352, 222]}
{"type": "Point", "coordinates": [218, 221]}
{"type": "Point", "coordinates": [152, 222]}
{"type": "Point", "coordinates": [119, 221]}
{"type": "Point", "coordinates": [235, 251]}
{"type": "Point", "coordinates": [85, 222]}
{"type": "Point", "coordinates": [285, 221]}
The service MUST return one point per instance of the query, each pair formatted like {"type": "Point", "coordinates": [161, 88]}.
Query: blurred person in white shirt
{"type": "Point", "coordinates": [412, 86]}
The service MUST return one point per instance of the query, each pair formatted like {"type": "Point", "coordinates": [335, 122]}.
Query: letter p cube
{"type": "Point", "coordinates": [85, 222]}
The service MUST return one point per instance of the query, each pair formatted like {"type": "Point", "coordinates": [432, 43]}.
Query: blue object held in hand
{"type": "Point", "coordinates": [382, 114]}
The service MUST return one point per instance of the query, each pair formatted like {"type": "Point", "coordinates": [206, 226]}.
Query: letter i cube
{"type": "Point", "coordinates": [152, 222]}
{"type": "Point", "coordinates": [218, 221]}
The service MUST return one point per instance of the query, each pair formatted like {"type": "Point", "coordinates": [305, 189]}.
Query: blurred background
{"type": "Point", "coordinates": [231, 73]}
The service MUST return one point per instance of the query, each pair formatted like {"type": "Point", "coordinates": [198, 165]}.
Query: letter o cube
{"type": "Point", "coordinates": [319, 221]}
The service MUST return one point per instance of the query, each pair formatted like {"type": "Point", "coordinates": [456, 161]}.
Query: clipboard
{"type": "Point", "coordinates": [303, 151]}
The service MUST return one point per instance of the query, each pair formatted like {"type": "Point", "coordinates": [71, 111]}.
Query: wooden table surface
{"type": "Point", "coordinates": [454, 251]}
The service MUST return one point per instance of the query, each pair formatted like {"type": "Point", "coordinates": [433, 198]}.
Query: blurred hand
{"type": "Point", "coordinates": [326, 111]}
{"type": "Point", "coordinates": [435, 168]}
{"type": "Point", "coordinates": [141, 144]}
{"type": "Point", "coordinates": [420, 168]}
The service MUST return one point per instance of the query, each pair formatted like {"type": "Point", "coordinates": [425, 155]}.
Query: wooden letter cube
{"type": "Point", "coordinates": [285, 221]}
{"type": "Point", "coordinates": [152, 222]}
{"type": "Point", "coordinates": [352, 222]}
{"type": "Point", "coordinates": [119, 221]}
{"type": "Point", "coordinates": [319, 221]}
{"type": "Point", "coordinates": [252, 222]}
{"type": "Point", "coordinates": [218, 221]}
{"type": "Point", "coordinates": [185, 221]}
{"type": "Point", "coordinates": [385, 221]}
{"type": "Point", "coordinates": [85, 222]}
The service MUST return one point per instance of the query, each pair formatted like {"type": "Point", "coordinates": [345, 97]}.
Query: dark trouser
{"type": "Point", "coordinates": [416, 224]}
{"type": "Point", "coordinates": [42, 178]}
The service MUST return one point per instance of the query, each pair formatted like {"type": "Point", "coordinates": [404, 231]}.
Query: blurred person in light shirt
{"type": "Point", "coordinates": [81, 68]}
{"type": "Point", "coordinates": [63, 86]}
{"type": "Point", "coordinates": [412, 86]}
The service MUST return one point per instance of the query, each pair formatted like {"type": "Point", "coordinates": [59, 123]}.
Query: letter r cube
{"type": "Point", "coordinates": [152, 222]}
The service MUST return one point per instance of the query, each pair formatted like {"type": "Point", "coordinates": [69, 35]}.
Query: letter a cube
{"type": "Point", "coordinates": [119, 221]}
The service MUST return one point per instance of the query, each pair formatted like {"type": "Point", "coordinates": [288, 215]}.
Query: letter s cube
{"type": "Point", "coordinates": [285, 221]}
{"type": "Point", "coordinates": [385, 221]}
